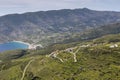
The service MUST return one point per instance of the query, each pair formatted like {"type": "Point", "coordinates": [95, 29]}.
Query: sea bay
{"type": "Point", "coordinates": [13, 45]}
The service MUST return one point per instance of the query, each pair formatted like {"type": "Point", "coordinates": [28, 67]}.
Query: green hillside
{"type": "Point", "coordinates": [90, 60]}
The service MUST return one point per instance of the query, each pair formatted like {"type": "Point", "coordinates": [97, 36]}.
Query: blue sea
{"type": "Point", "coordinates": [12, 46]}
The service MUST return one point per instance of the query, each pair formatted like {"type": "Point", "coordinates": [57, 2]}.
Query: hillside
{"type": "Point", "coordinates": [90, 60]}
{"type": "Point", "coordinates": [48, 27]}
{"type": "Point", "coordinates": [81, 44]}
{"type": "Point", "coordinates": [89, 34]}
{"type": "Point", "coordinates": [101, 31]}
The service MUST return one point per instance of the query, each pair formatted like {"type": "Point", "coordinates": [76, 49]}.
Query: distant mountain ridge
{"type": "Point", "coordinates": [44, 25]}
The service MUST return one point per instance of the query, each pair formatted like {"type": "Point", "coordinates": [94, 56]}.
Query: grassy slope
{"type": "Point", "coordinates": [94, 63]}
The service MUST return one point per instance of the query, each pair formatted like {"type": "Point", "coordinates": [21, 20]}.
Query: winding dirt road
{"type": "Point", "coordinates": [25, 69]}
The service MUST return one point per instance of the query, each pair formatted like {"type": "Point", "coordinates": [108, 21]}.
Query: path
{"type": "Point", "coordinates": [59, 59]}
{"type": "Point", "coordinates": [23, 75]}
{"type": "Point", "coordinates": [70, 50]}
{"type": "Point", "coordinates": [54, 54]}
{"type": "Point", "coordinates": [74, 54]}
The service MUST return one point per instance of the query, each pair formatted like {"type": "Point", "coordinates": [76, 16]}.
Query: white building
{"type": "Point", "coordinates": [113, 46]}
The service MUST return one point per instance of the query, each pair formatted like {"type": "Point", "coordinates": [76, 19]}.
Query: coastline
{"type": "Point", "coordinates": [13, 45]}
{"type": "Point", "coordinates": [29, 45]}
{"type": "Point", "coordinates": [22, 42]}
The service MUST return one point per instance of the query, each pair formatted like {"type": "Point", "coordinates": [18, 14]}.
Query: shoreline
{"type": "Point", "coordinates": [22, 42]}
{"type": "Point", "coordinates": [30, 46]}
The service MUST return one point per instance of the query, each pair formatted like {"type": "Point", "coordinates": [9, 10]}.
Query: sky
{"type": "Point", "coordinates": [22, 6]}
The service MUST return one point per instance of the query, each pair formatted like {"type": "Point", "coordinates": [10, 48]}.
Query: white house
{"type": "Point", "coordinates": [113, 46]}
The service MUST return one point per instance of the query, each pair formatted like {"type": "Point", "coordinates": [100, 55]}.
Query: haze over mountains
{"type": "Point", "coordinates": [44, 26]}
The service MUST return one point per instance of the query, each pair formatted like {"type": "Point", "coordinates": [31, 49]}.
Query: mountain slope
{"type": "Point", "coordinates": [94, 62]}
{"type": "Point", "coordinates": [101, 31]}
{"type": "Point", "coordinates": [89, 34]}
{"type": "Point", "coordinates": [57, 24]}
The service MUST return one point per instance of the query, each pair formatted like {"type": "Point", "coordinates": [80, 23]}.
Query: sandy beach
{"type": "Point", "coordinates": [22, 42]}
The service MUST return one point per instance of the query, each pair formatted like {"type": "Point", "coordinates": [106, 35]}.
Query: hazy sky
{"type": "Point", "coordinates": [21, 6]}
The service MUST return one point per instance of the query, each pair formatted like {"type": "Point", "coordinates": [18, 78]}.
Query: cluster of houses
{"type": "Point", "coordinates": [35, 47]}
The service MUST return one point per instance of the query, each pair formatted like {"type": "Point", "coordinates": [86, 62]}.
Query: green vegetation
{"type": "Point", "coordinates": [95, 62]}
